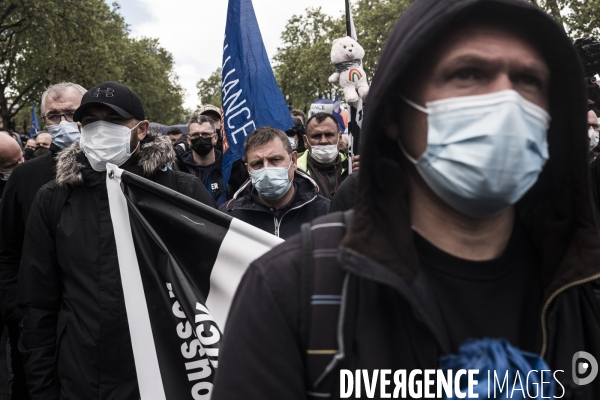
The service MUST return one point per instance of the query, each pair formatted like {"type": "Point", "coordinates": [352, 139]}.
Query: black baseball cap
{"type": "Point", "coordinates": [114, 95]}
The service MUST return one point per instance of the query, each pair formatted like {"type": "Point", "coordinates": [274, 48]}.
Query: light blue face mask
{"type": "Point", "coordinates": [483, 152]}
{"type": "Point", "coordinates": [64, 134]}
{"type": "Point", "coordinates": [272, 183]}
{"type": "Point", "coordinates": [5, 175]}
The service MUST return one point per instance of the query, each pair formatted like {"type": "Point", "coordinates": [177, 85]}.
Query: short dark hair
{"type": "Point", "coordinates": [265, 135]}
{"type": "Point", "coordinates": [320, 117]}
{"type": "Point", "coordinates": [200, 119]}
{"type": "Point", "coordinates": [174, 131]}
{"type": "Point", "coordinates": [298, 113]}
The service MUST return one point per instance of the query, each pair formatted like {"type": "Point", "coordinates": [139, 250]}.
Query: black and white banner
{"type": "Point", "coordinates": [180, 264]}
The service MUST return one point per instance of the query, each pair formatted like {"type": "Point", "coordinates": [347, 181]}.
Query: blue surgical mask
{"type": "Point", "coordinates": [483, 152]}
{"type": "Point", "coordinates": [5, 175]}
{"type": "Point", "coordinates": [64, 134]}
{"type": "Point", "coordinates": [272, 183]}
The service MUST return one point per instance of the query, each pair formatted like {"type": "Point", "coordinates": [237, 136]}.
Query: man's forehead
{"type": "Point", "coordinates": [324, 126]}
{"type": "Point", "coordinates": [269, 149]}
{"type": "Point", "coordinates": [483, 39]}
{"type": "Point", "coordinates": [70, 98]}
{"type": "Point", "coordinates": [201, 128]}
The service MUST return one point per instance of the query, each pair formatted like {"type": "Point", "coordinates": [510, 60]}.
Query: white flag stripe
{"type": "Point", "coordinates": [144, 351]}
{"type": "Point", "coordinates": [235, 255]}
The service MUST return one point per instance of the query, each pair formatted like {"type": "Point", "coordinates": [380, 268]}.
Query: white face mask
{"type": "Point", "coordinates": [105, 142]}
{"type": "Point", "coordinates": [64, 133]}
{"type": "Point", "coordinates": [292, 142]}
{"type": "Point", "coordinates": [324, 154]}
{"type": "Point", "coordinates": [483, 152]}
{"type": "Point", "coordinates": [594, 138]}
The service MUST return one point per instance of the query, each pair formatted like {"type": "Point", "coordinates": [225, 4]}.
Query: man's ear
{"type": "Point", "coordinates": [143, 129]}
{"type": "Point", "coordinates": [305, 140]}
{"type": "Point", "coordinates": [294, 159]}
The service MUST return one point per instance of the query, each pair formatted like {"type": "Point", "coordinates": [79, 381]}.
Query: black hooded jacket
{"type": "Point", "coordinates": [306, 205]}
{"type": "Point", "coordinates": [211, 175]}
{"type": "Point", "coordinates": [391, 317]}
{"type": "Point", "coordinates": [76, 342]}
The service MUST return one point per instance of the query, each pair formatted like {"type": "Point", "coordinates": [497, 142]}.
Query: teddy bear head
{"type": "Point", "coordinates": [346, 49]}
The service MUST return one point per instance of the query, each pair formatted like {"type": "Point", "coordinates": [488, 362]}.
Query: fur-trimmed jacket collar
{"type": "Point", "coordinates": [156, 151]}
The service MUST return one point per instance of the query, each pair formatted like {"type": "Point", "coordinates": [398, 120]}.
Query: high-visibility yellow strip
{"type": "Point", "coordinates": [320, 352]}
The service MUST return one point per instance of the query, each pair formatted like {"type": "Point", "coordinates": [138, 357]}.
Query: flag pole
{"type": "Point", "coordinates": [348, 19]}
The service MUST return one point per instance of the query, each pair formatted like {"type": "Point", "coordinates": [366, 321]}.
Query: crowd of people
{"type": "Point", "coordinates": [472, 212]}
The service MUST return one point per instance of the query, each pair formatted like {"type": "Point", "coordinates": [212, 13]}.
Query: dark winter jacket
{"type": "Point", "coordinates": [391, 319]}
{"type": "Point", "coordinates": [21, 188]}
{"type": "Point", "coordinates": [181, 145]}
{"type": "Point", "coordinates": [306, 205]}
{"type": "Point", "coordinates": [344, 198]}
{"type": "Point", "coordinates": [211, 175]}
{"type": "Point", "coordinates": [76, 342]}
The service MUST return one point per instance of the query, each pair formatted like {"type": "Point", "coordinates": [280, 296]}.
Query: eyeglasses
{"type": "Point", "coordinates": [56, 118]}
{"type": "Point", "coordinates": [204, 135]}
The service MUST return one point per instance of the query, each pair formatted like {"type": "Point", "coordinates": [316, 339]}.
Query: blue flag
{"type": "Point", "coordinates": [34, 128]}
{"type": "Point", "coordinates": [337, 113]}
{"type": "Point", "coordinates": [250, 96]}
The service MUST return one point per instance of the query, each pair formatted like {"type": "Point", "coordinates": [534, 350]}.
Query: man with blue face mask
{"type": "Point", "coordinates": [58, 104]}
{"type": "Point", "coordinates": [278, 198]}
{"type": "Point", "coordinates": [472, 220]}
{"type": "Point", "coordinates": [76, 340]}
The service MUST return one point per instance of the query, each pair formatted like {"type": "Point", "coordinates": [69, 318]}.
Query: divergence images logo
{"type": "Point", "coordinates": [581, 368]}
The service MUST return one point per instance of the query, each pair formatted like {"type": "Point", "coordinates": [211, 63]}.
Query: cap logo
{"type": "Point", "coordinates": [108, 92]}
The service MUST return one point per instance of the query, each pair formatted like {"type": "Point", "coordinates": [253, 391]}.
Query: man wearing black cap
{"type": "Point", "coordinates": [76, 341]}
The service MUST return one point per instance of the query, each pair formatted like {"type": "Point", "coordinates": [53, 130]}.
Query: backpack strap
{"type": "Point", "coordinates": [59, 199]}
{"type": "Point", "coordinates": [322, 284]}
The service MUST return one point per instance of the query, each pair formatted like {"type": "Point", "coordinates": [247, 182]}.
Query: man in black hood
{"type": "Point", "coordinates": [473, 218]}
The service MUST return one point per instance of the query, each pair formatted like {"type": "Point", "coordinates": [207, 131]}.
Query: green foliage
{"type": "Point", "coordinates": [303, 62]}
{"type": "Point", "coordinates": [81, 41]}
{"type": "Point", "coordinates": [209, 89]}
{"type": "Point", "coordinates": [148, 71]}
{"type": "Point", "coordinates": [581, 18]}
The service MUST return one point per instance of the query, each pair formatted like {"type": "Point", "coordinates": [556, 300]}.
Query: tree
{"type": "Point", "coordinates": [82, 41]}
{"type": "Point", "coordinates": [209, 89]}
{"type": "Point", "coordinates": [148, 71]}
{"type": "Point", "coordinates": [581, 18]}
{"type": "Point", "coordinates": [303, 62]}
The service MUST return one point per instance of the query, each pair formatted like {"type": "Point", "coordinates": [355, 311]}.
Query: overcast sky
{"type": "Point", "coordinates": [193, 30]}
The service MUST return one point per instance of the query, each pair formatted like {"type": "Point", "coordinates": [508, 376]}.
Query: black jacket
{"type": "Point", "coordinates": [211, 175]}
{"type": "Point", "coordinates": [344, 198]}
{"type": "Point", "coordinates": [181, 145]}
{"type": "Point", "coordinates": [76, 342]}
{"type": "Point", "coordinates": [306, 205]}
{"type": "Point", "coordinates": [392, 318]}
{"type": "Point", "coordinates": [19, 194]}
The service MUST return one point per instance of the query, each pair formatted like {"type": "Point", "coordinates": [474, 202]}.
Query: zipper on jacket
{"type": "Point", "coordinates": [547, 305]}
{"type": "Point", "coordinates": [278, 223]}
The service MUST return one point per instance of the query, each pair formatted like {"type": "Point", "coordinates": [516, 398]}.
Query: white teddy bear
{"type": "Point", "coordinates": [347, 55]}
